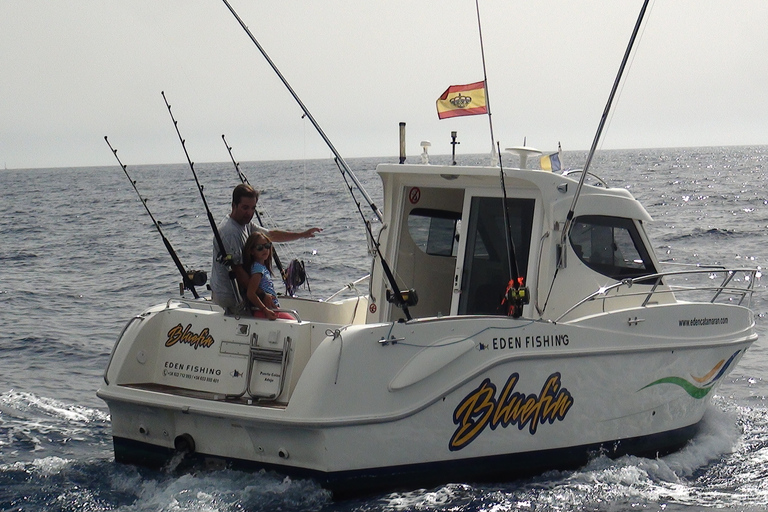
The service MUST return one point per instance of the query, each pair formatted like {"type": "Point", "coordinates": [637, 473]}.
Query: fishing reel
{"type": "Point", "coordinates": [193, 278]}
{"type": "Point", "coordinates": [406, 298]}
{"type": "Point", "coordinates": [197, 277]}
{"type": "Point", "coordinates": [516, 297]}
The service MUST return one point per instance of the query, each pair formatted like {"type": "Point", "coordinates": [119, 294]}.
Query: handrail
{"type": "Point", "coordinates": [724, 288]}
{"type": "Point", "coordinates": [349, 286]}
{"type": "Point", "coordinates": [209, 306]}
{"type": "Point", "coordinates": [568, 172]}
{"type": "Point", "coordinates": [292, 312]}
{"type": "Point", "coordinates": [201, 303]}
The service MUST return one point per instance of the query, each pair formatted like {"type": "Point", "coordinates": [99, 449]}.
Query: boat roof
{"type": "Point", "coordinates": [556, 190]}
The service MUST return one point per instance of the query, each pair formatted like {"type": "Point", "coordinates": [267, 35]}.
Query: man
{"type": "Point", "coordinates": [234, 231]}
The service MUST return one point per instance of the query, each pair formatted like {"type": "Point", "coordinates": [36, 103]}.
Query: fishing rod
{"type": "Point", "coordinates": [343, 167]}
{"type": "Point", "coordinates": [222, 257]}
{"type": "Point", "coordinates": [401, 299]}
{"type": "Point", "coordinates": [569, 219]}
{"type": "Point", "coordinates": [189, 278]}
{"type": "Point", "coordinates": [485, 79]}
{"type": "Point", "coordinates": [240, 174]}
{"type": "Point", "coordinates": [244, 179]}
{"type": "Point", "coordinates": [516, 294]}
{"type": "Point", "coordinates": [293, 276]}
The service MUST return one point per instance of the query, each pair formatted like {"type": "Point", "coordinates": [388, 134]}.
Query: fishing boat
{"type": "Point", "coordinates": [610, 355]}
{"type": "Point", "coordinates": [506, 330]}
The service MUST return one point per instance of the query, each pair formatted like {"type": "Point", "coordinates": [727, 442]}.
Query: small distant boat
{"type": "Point", "coordinates": [507, 331]}
{"type": "Point", "coordinates": [622, 359]}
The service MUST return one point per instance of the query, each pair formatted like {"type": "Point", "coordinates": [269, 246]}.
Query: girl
{"type": "Point", "coordinates": [257, 258]}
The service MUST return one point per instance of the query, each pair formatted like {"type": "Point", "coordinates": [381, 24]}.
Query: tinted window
{"type": "Point", "coordinates": [434, 231]}
{"type": "Point", "coordinates": [611, 246]}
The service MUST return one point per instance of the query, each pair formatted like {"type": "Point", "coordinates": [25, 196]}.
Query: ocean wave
{"type": "Point", "coordinates": [604, 484]}
{"type": "Point", "coordinates": [38, 436]}
{"type": "Point", "coordinates": [707, 233]}
{"type": "Point", "coordinates": [17, 256]}
{"type": "Point", "coordinates": [44, 467]}
{"type": "Point", "coordinates": [23, 402]}
{"type": "Point", "coordinates": [220, 490]}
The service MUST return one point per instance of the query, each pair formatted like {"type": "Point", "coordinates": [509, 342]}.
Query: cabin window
{"type": "Point", "coordinates": [486, 266]}
{"type": "Point", "coordinates": [434, 231]}
{"type": "Point", "coordinates": [611, 246]}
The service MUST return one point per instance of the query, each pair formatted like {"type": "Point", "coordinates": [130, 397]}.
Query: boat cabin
{"type": "Point", "coordinates": [443, 237]}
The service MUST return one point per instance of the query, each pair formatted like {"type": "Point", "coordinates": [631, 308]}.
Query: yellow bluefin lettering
{"type": "Point", "coordinates": [480, 409]}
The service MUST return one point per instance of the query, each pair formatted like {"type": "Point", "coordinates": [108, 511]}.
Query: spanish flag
{"type": "Point", "coordinates": [462, 100]}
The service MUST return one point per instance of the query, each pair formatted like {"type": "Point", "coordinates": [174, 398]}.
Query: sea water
{"type": "Point", "coordinates": [79, 256]}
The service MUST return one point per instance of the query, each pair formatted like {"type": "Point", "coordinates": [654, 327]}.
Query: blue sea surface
{"type": "Point", "coordinates": [79, 256]}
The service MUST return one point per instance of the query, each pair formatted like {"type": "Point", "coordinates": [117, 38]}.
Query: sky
{"type": "Point", "coordinates": [74, 71]}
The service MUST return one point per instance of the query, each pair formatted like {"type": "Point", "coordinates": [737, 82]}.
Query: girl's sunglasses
{"type": "Point", "coordinates": [260, 247]}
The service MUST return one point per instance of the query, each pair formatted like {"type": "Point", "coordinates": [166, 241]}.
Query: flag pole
{"type": "Point", "coordinates": [485, 83]}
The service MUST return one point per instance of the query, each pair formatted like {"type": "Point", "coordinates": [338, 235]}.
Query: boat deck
{"type": "Point", "coordinates": [204, 395]}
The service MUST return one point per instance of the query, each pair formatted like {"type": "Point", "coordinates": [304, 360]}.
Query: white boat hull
{"type": "Point", "coordinates": [450, 399]}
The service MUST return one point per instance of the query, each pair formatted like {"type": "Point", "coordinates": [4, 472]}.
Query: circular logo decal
{"type": "Point", "coordinates": [414, 195]}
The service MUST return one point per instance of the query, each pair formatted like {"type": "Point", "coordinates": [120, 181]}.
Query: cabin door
{"type": "Point", "coordinates": [427, 248]}
{"type": "Point", "coordinates": [482, 271]}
